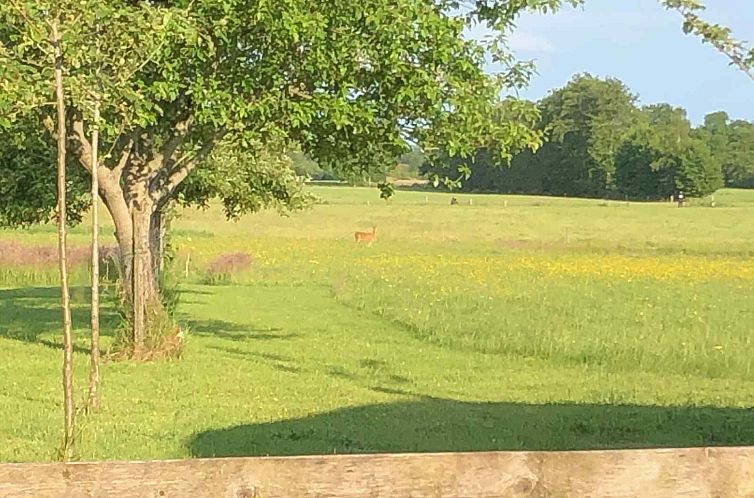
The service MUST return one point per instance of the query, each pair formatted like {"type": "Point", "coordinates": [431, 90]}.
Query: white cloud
{"type": "Point", "coordinates": [521, 41]}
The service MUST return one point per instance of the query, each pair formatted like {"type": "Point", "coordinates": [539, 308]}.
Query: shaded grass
{"type": "Point", "coordinates": [440, 425]}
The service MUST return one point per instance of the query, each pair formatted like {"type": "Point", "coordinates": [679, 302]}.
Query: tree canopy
{"type": "Point", "coordinates": [661, 158]}
{"type": "Point", "coordinates": [598, 143]}
{"type": "Point", "coordinates": [203, 99]}
{"type": "Point", "coordinates": [732, 146]}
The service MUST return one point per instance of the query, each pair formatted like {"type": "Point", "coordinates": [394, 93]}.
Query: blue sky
{"type": "Point", "coordinates": [640, 43]}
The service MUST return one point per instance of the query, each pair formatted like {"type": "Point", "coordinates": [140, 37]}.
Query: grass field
{"type": "Point", "coordinates": [505, 322]}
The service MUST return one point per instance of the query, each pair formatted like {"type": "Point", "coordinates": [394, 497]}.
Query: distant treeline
{"type": "Point", "coordinates": [599, 143]}
{"type": "Point", "coordinates": [406, 167]}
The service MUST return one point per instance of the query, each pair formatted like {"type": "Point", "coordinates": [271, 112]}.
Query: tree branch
{"type": "Point", "coordinates": [718, 36]}
{"type": "Point", "coordinates": [180, 130]}
{"type": "Point", "coordinates": [183, 167]}
{"type": "Point", "coordinates": [84, 151]}
{"type": "Point", "coordinates": [118, 168]}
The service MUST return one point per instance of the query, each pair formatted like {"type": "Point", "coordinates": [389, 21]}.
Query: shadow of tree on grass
{"type": "Point", "coordinates": [438, 425]}
{"type": "Point", "coordinates": [234, 331]}
{"type": "Point", "coordinates": [26, 314]}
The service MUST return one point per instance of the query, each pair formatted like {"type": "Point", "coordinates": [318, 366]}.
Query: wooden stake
{"type": "Point", "coordinates": [65, 301]}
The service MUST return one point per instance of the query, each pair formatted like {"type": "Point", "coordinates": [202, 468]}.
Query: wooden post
{"type": "Point", "coordinates": [188, 262]}
{"type": "Point", "coordinates": [93, 400]}
{"type": "Point", "coordinates": [136, 278]}
{"type": "Point", "coordinates": [65, 301]}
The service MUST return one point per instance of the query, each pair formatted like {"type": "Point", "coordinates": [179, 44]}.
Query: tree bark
{"type": "Point", "coordinates": [93, 399]}
{"type": "Point", "coordinates": [157, 229]}
{"type": "Point", "coordinates": [64, 294]}
{"type": "Point", "coordinates": [144, 291]}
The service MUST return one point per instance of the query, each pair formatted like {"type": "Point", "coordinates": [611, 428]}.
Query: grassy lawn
{"type": "Point", "coordinates": [507, 322]}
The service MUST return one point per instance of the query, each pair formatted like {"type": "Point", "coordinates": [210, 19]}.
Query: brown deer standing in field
{"type": "Point", "coordinates": [367, 237]}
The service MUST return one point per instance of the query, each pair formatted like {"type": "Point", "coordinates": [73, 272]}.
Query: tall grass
{"type": "Point", "coordinates": [30, 265]}
{"type": "Point", "coordinates": [629, 323]}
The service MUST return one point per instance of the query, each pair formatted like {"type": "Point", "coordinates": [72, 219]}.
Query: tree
{"type": "Point", "coordinates": [739, 166]}
{"type": "Point", "coordinates": [47, 44]}
{"type": "Point", "coordinates": [482, 170]}
{"type": "Point", "coordinates": [732, 147]}
{"type": "Point", "coordinates": [94, 72]}
{"type": "Point", "coordinates": [237, 79]}
{"type": "Point", "coordinates": [65, 302]}
{"type": "Point", "coordinates": [661, 158]}
{"type": "Point", "coordinates": [584, 124]}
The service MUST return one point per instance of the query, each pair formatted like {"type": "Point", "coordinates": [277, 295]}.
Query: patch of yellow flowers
{"type": "Point", "coordinates": [484, 269]}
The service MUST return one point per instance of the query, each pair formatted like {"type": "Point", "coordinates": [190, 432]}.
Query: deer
{"type": "Point", "coordinates": [367, 237]}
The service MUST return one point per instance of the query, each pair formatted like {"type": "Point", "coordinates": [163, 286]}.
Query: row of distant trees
{"type": "Point", "coordinates": [406, 166]}
{"type": "Point", "coordinates": [599, 143]}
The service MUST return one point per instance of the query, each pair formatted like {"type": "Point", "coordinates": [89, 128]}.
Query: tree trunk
{"type": "Point", "coordinates": [64, 298]}
{"type": "Point", "coordinates": [140, 235]}
{"type": "Point", "coordinates": [157, 229]}
{"type": "Point", "coordinates": [143, 278]}
{"type": "Point", "coordinates": [93, 400]}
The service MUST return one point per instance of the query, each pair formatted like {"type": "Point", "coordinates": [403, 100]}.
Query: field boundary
{"type": "Point", "coordinates": [690, 472]}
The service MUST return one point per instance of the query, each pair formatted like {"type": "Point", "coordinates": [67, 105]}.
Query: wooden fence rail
{"type": "Point", "coordinates": [695, 472]}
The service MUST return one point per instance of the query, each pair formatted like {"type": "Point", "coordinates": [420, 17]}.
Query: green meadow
{"type": "Point", "coordinates": [503, 322]}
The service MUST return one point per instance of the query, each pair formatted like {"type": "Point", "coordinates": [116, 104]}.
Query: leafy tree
{"type": "Point", "coordinates": [586, 122]}
{"type": "Point", "coordinates": [732, 147]}
{"type": "Point", "coordinates": [485, 162]}
{"type": "Point", "coordinates": [48, 45]}
{"type": "Point", "coordinates": [228, 82]}
{"type": "Point", "coordinates": [739, 165]}
{"type": "Point", "coordinates": [661, 158]}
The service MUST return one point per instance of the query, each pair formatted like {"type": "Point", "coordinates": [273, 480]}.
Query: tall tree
{"type": "Point", "coordinates": [661, 158]}
{"type": "Point", "coordinates": [732, 147]}
{"type": "Point", "coordinates": [105, 47]}
{"type": "Point", "coordinates": [236, 79]}
{"type": "Point", "coordinates": [586, 122]}
{"type": "Point", "coordinates": [739, 166]}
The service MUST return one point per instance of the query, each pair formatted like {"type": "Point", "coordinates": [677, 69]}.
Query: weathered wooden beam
{"type": "Point", "coordinates": [694, 472]}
